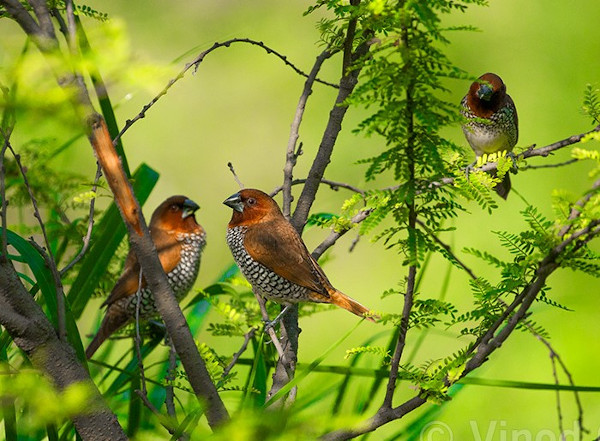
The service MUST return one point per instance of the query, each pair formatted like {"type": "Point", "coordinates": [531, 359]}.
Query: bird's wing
{"type": "Point", "coordinates": [169, 252]}
{"type": "Point", "coordinates": [277, 246]}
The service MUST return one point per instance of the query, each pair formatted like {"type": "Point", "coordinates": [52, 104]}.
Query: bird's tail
{"type": "Point", "coordinates": [112, 321]}
{"type": "Point", "coordinates": [343, 301]}
{"type": "Point", "coordinates": [502, 188]}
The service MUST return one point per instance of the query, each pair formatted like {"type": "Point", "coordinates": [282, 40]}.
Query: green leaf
{"type": "Point", "coordinates": [105, 240]}
{"type": "Point", "coordinates": [45, 283]}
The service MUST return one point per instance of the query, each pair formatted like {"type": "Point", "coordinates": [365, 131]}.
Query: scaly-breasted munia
{"type": "Point", "coordinates": [179, 241]}
{"type": "Point", "coordinates": [493, 125]}
{"type": "Point", "coordinates": [273, 257]}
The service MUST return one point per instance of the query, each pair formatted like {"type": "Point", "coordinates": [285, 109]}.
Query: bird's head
{"type": "Point", "coordinates": [176, 214]}
{"type": "Point", "coordinates": [486, 94]}
{"type": "Point", "coordinates": [251, 206]}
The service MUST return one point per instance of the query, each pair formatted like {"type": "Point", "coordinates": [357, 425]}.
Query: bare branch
{"type": "Point", "coordinates": [5, 141]}
{"type": "Point", "coordinates": [196, 62]}
{"type": "Point", "coordinates": [235, 176]}
{"type": "Point", "coordinates": [291, 154]}
{"type": "Point", "coordinates": [334, 185]}
{"type": "Point", "coordinates": [88, 234]}
{"type": "Point", "coordinates": [557, 165]}
{"type": "Point", "coordinates": [247, 337]}
{"type": "Point", "coordinates": [334, 126]}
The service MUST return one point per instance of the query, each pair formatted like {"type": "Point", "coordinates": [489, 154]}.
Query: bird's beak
{"type": "Point", "coordinates": [189, 208]}
{"type": "Point", "coordinates": [235, 201]}
{"type": "Point", "coordinates": [485, 92]}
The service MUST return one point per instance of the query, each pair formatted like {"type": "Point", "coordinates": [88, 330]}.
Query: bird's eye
{"type": "Point", "coordinates": [251, 201]}
{"type": "Point", "coordinates": [174, 207]}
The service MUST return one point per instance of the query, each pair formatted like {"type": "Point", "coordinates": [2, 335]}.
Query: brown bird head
{"type": "Point", "coordinates": [486, 95]}
{"type": "Point", "coordinates": [176, 214]}
{"type": "Point", "coordinates": [251, 206]}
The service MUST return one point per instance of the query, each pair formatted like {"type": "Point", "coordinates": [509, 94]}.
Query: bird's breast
{"type": "Point", "coordinates": [264, 281]}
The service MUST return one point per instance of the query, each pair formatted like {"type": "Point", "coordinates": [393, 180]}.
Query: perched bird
{"type": "Point", "coordinates": [179, 241]}
{"type": "Point", "coordinates": [492, 124]}
{"type": "Point", "coordinates": [273, 257]}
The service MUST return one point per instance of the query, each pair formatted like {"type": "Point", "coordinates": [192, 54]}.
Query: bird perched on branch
{"type": "Point", "coordinates": [179, 241]}
{"type": "Point", "coordinates": [273, 257]}
{"type": "Point", "coordinates": [492, 125]}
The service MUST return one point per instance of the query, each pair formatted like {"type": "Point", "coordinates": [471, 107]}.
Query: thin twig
{"type": "Point", "coordinates": [334, 185]}
{"type": "Point", "coordinates": [169, 425]}
{"type": "Point", "coordinates": [196, 62]}
{"type": "Point", "coordinates": [235, 176]}
{"type": "Point", "coordinates": [60, 298]}
{"type": "Point", "coordinates": [576, 210]}
{"type": "Point", "coordinates": [557, 165]}
{"type": "Point", "coordinates": [247, 337]}
{"type": "Point", "coordinates": [292, 154]}
{"type": "Point", "coordinates": [6, 136]}
{"type": "Point", "coordinates": [555, 358]}
{"type": "Point", "coordinates": [335, 235]}
{"type": "Point", "coordinates": [447, 248]}
{"type": "Point", "coordinates": [265, 315]}
{"type": "Point", "coordinates": [88, 234]}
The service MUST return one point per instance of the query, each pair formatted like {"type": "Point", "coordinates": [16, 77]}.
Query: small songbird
{"type": "Point", "coordinates": [179, 241]}
{"type": "Point", "coordinates": [492, 124]}
{"type": "Point", "coordinates": [273, 257]}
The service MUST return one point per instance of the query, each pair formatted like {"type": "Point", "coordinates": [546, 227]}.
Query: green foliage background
{"type": "Point", "coordinates": [239, 106]}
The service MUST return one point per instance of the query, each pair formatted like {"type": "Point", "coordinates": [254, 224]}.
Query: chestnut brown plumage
{"type": "Point", "coordinates": [273, 257]}
{"type": "Point", "coordinates": [179, 241]}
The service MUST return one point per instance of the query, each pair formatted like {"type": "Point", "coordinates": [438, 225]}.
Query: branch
{"type": "Point", "coordinates": [34, 334]}
{"type": "Point", "coordinates": [529, 153]}
{"type": "Point", "coordinates": [196, 62]}
{"type": "Point", "coordinates": [291, 154]}
{"type": "Point", "coordinates": [140, 240]}
{"type": "Point", "coordinates": [47, 254]}
{"type": "Point", "coordinates": [334, 185]}
{"type": "Point", "coordinates": [335, 235]}
{"type": "Point", "coordinates": [334, 126]}
{"type": "Point", "coordinates": [88, 234]}
{"type": "Point", "coordinates": [6, 140]}
{"type": "Point", "coordinates": [247, 337]}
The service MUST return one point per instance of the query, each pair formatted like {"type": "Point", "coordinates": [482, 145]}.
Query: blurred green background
{"type": "Point", "coordinates": [238, 107]}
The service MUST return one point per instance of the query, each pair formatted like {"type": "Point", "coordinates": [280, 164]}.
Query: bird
{"type": "Point", "coordinates": [272, 256]}
{"type": "Point", "coordinates": [492, 124]}
{"type": "Point", "coordinates": [179, 242]}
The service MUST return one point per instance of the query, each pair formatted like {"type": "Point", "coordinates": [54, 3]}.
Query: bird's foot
{"type": "Point", "coordinates": [514, 158]}
{"type": "Point", "coordinates": [272, 323]}
{"type": "Point", "coordinates": [469, 168]}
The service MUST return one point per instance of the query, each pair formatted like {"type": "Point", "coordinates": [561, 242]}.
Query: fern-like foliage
{"type": "Point", "coordinates": [591, 102]}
